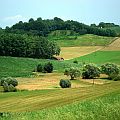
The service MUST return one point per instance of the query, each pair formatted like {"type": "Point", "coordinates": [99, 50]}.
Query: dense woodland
{"type": "Point", "coordinates": [29, 39]}
{"type": "Point", "coordinates": [27, 46]}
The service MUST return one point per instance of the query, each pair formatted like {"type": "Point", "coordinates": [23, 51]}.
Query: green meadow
{"type": "Point", "coordinates": [100, 57]}
{"type": "Point", "coordinates": [82, 40]}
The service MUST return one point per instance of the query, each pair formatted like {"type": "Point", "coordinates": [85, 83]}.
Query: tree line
{"type": "Point", "coordinates": [18, 45]}
{"type": "Point", "coordinates": [42, 27]}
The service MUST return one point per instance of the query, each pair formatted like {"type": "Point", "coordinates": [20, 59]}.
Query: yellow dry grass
{"type": "Point", "coordinates": [115, 46]}
{"type": "Point", "coordinates": [73, 52]}
{"type": "Point", "coordinates": [51, 81]}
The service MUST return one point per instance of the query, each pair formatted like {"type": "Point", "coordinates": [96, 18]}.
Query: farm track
{"type": "Point", "coordinates": [36, 101]}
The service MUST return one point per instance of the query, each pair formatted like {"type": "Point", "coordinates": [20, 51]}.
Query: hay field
{"type": "Point", "coordinates": [74, 52]}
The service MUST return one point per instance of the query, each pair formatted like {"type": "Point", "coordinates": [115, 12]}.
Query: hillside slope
{"type": "Point", "coordinates": [114, 46]}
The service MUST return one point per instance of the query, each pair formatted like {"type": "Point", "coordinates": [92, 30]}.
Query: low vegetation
{"type": "Point", "coordinates": [65, 83]}
{"type": "Point", "coordinates": [90, 71]}
{"type": "Point", "coordinates": [110, 69]}
{"type": "Point", "coordinates": [46, 68]}
{"type": "Point", "coordinates": [72, 72]}
{"type": "Point", "coordinates": [9, 84]}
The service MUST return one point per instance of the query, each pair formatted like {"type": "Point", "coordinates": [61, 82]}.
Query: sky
{"type": "Point", "coordinates": [84, 11]}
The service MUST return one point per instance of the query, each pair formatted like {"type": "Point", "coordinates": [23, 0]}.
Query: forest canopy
{"type": "Point", "coordinates": [42, 27]}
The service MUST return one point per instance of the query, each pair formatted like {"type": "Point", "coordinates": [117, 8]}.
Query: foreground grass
{"type": "Point", "coordinates": [100, 57]}
{"type": "Point", "coordinates": [106, 107]}
{"type": "Point", "coordinates": [83, 40]}
{"type": "Point", "coordinates": [36, 100]}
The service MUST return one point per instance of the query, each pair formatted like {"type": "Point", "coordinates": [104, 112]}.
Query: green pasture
{"type": "Point", "coordinates": [100, 57]}
{"type": "Point", "coordinates": [23, 67]}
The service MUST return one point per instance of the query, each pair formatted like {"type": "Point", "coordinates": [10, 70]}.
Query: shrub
{"type": "Point", "coordinates": [5, 86]}
{"type": "Point", "coordinates": [65, 83]}
{"type": "Point", "coordinates": [48, 67]}
{"type": "Point", "coordinates": [9, 80]}
{"type": "Point", "coordinates": [90, 71]}
{"type": "Point", "coordinates": [2, 81]}
{"type": "Point", "coordinates": [39, 68]}
{"type": "Point", "coordinates": [110, 69]}
{"type": "Point", "coordinates": [117, 78]}
{"type": "Point", "coordinates": [75, 61]}
{"type": "Point", "coordinates": [9, 84]}
{"type": "Point", "coordinates": [12, 88]}
{"type": "Point", "coordinates": [12, 81]}
{"type": "Point", "coordinates": [72, 72]}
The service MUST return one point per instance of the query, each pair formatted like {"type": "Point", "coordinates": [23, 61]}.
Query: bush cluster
{"type": "Point", "coordinates": [110, 69]}
{"type": "Point", "coordinates": [72, 72]}
{"type": "Point", "coordinates": [46, 68]}
{"type": "Point", "coordinates": [65, 83]}
{"type": "Point", "coordinates": [91, 71]}
{"type": "Point", "coordinates": [9, 84]}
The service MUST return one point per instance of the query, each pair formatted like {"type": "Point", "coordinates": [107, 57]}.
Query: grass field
{"type": "Point", "coordinates": [36, 100]}
{"type": "Point", "coordinates": [47, 101]}
{"type": "Point", "coordinates": [51, 81]}
{"type": "Point", "coordinates": [23, 67]}
{"type": "Point", "coordinates": [106, 107]}
{"type": "Point", "coordinates": [84, 40]}
{"type": "Point", "coordinates": [100, 57]}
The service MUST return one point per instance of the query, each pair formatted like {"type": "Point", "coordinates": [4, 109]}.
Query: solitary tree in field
{"type": "Point", "coordinates": [72, 72]}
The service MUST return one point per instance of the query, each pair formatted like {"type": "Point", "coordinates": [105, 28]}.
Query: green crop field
{"type": "Point", "coordinates": [101, 57]}
{"type": "Point", "coordinates": [83, 40]}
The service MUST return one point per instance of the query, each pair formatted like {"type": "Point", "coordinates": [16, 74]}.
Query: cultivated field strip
{"type": "Point", "coordinates": [35, 101]}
